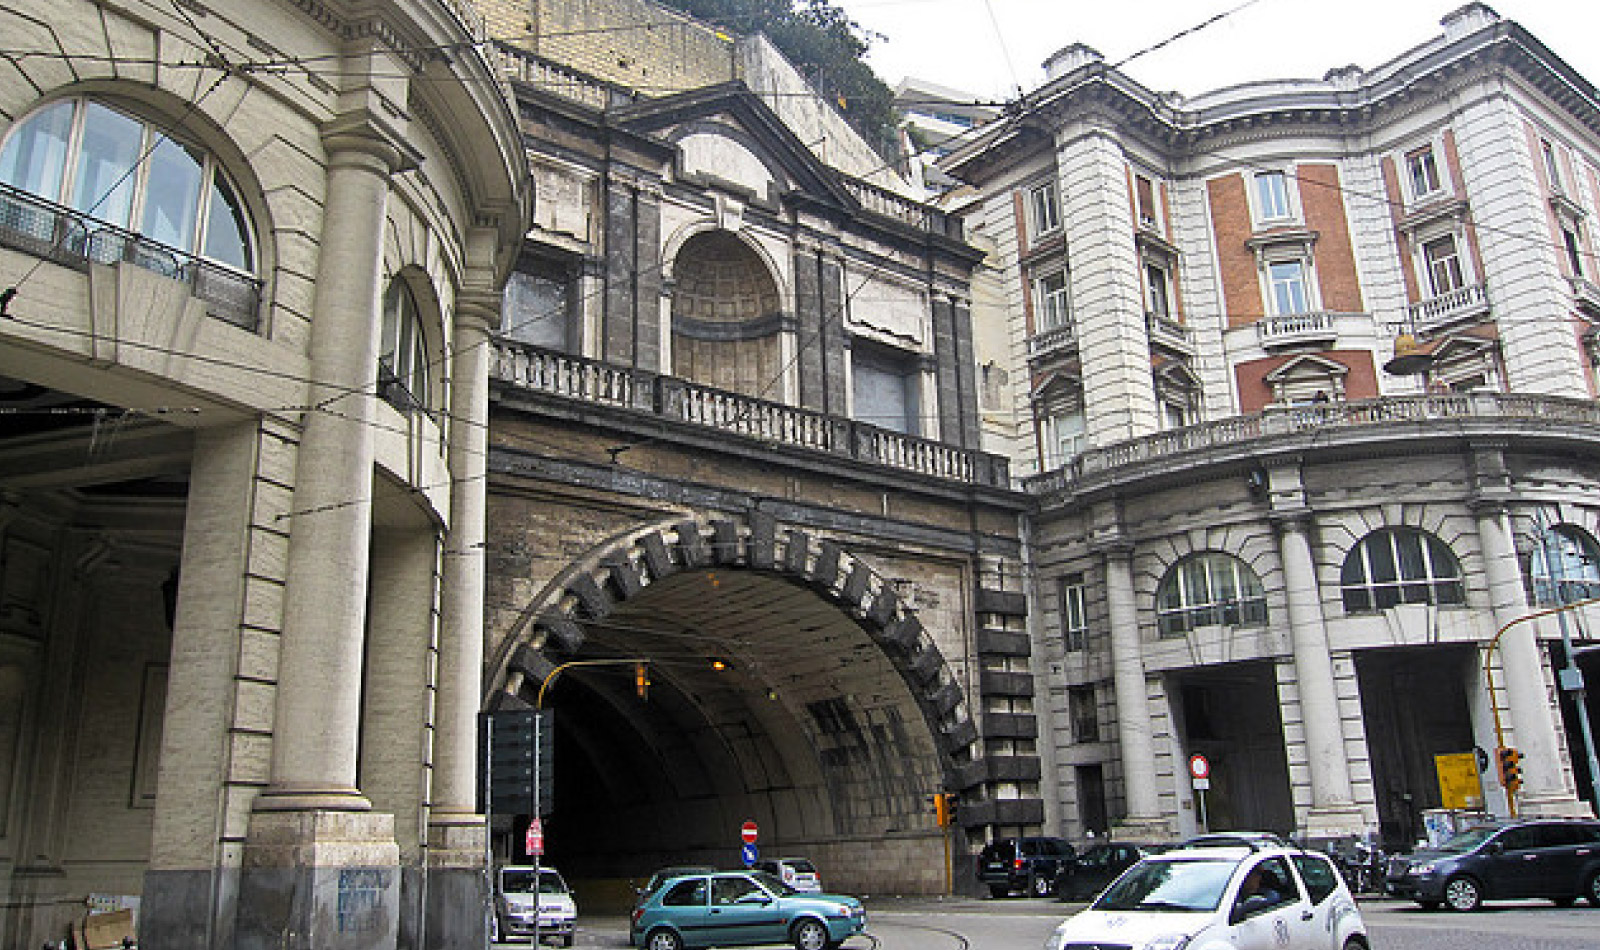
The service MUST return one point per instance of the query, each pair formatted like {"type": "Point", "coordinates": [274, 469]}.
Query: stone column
{"type": "Point", "coordinates": [1143, 819]}
{"type": "Point", "coordinates": [1527, 693]}
{"type": "Point", "coordinates": [1333, 810]}
{"type": "Point", "coordinates": [456, 832]}
{"type": "Point", "coordinates": [320, 869]}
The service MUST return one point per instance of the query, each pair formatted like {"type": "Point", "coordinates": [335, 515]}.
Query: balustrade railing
{"type": "Point", "coordinates": [1450, 307]}
{"type": "Point", "coordinates": [1048, 341]}
{"type": "Point", "coordinates": [1323, 417]}
{"type": "Point", "coordinates": [1292, 328]}
{"type": "Point", "coordinates": [572, 377]}
{"type": "Point", "coordinates": [556, 79]}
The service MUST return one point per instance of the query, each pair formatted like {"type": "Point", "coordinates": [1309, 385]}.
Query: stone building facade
{"type": "Point", "coordinates": [1312, 371]}
{"type": "Point", "coordinates": [251, 255]}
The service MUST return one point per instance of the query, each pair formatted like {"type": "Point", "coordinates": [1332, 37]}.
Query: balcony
{"type": "Point", "coordinates": [1462, 305]}
{"type": "Point", "coordinates": [1586, 294]}
{"type": "Point", "coordinates": [1326, 423]}
{"type": "Point", "coordinates": [72, 239]}
{"type": "Point", "coordinates": [1298, 329]}
{"type": "Point", "coordinates": [535, 369]}
{"type": "Point", "coordinates": [1046, 342]}
{"type": "Point", "coordinates": [1165, 331]}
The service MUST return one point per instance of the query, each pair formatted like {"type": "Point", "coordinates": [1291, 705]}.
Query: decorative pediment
{"type": "Point", "coordinates": [1308, 365]}
{"type": "Point", "coordinates": [725, 134]}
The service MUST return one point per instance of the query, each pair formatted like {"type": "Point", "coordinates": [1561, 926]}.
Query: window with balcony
{"type": "Point", "coordinates": [1044, 209]}
{"type": "Point", "coordinates": [404, 369]}
{"type": "Point", "coordinates": [1207, 590]}
{"type": "Point", "coordinates": [1074, 616]}
{"type": "Point", "coordinates": [83, 180]}
{"type": "Point", "coordinates": [1424, 172]}
{"type": "Point", "coordinates": [1272, 196]}
{"type": "Point", "coordinates": [1564, 566]}
{"type": "Point", "coordinates": [1053, 297]}
{"type": "Point", "coordinates": [1064, 437]}
{"type": "Point", "coordinates": [1287, 287]}
{"type": "Point", "coordinates": [1443, 263]}
{"type": "Point", "coordinates": [1394, 566]}
{"type": "Point", "coordinates": [886, 386]}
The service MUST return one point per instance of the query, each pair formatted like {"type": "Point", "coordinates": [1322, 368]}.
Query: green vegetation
{"type": "Point", "coordinates": [825, 45]}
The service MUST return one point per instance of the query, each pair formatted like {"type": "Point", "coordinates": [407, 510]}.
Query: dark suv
{"type": "Point", "coordinates": [1553, 858]}
{"type": "Point", "coordinates": [1024, 864]}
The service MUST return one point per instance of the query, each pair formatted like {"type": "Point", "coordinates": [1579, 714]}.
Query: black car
{"type": "Point", "coordinates": [1030, 865]}
{"type": "Point", "coordinates": [1557, 859]}
{"type": "Point", "coordinates": [1098, 865]}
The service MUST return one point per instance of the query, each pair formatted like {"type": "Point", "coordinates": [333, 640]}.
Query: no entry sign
{"type": "Point", "coordinates": [748, 832]}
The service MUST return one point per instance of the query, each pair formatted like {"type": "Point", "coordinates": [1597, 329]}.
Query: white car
{"type": "Point", "coordinates": [1221, 898]}
{"type": "Point", "coordinates": [522, 909]}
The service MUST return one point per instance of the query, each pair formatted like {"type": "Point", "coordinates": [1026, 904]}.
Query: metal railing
{"type": "Point", "coordinates": [571, 377]}
{"type": "Point", "coordinates": [72, 239]}
{"type": "Point", "coordinates": [1320, 417]}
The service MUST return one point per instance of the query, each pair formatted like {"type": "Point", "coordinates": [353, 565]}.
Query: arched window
{"type": "Point", "coordinates": [83, 181]}
{"type": "Point", "coordinates": [1400, 566]}
{"type": "Point", "coordinates": [123, 171]}
{"type": "Point", "coordinates": [1565, 566]}
{"type": "Point", "coordinates": [403, 365]}
{"type": "Point", "coordinates": [1210, 589]}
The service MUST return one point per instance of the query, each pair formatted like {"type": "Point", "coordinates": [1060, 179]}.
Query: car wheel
{"type": "Point", "coordinates": [663, 940]}
{"type": "Point", "coordinates": [811, 935]}
{"type": "Point", "coordinates": [1042, 886]}
{"type": "Point", "coordinates": [1463, 893]}
{"type": "Point", "coordinates": [998, 890]}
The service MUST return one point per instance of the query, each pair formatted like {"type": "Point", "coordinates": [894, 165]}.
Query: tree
{"type": "Point", "coordinates": [824, 44]}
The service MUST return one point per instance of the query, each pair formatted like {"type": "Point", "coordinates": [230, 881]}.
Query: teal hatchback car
{"type": "Point", "coordinates": [741, 909]}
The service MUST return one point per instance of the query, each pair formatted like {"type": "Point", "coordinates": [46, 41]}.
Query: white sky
{"type": "Point", "coordinates": [991, 47]}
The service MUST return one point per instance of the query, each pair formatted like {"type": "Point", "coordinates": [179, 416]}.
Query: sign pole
{"type": "Point", "coordinates": [535, 821]}
{"type": "Point", "coordinates": [488, 829]}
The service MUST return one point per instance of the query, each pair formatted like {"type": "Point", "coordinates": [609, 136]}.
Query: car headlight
{"type": "Point", "coordinates": [1168, 942]}
{"type": "Point", "coordinates": [839, 910]}
{"type": "Point", "coordinates": [1425, 867]}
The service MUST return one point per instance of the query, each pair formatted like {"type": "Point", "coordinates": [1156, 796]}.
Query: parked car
{"type": "Point", "coordinates": [741, 909]}
{"type": "Point", "coordinates": [526, 895]}
{"type": "Point", "coordinates": [1098, 865]}
{"type": "Point", "coordinates": [1233, 839]}
{"type": "Point", "coordinates": [1029, 865]}
{"type": "Point", "coordinates": [1222, 898]}
{"type": "Point", "coordinates": [1558, 859]}
{"type": "Point", "coordinates": [798, 873]}
{"type": "Point", "coordinates": [666, 874]}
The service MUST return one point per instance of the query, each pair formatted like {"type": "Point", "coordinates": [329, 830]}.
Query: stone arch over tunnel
{"type": "Point", "coordinates": [832, 720]}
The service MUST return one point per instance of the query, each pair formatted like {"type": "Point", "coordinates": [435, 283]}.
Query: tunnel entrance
{"type": "Point", "coordinates": [1230, 714]}
{"type": "Point", "coordinates": [771, 697]}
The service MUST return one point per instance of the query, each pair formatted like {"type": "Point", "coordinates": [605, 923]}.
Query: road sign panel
{"type": "Point", "coordinates": [750, 854]}
{"type": "Point", "coordinates": [748, 832]}
{"type": "Point", "coordinates": [535, 838]}
{"type": "Point", "coordinates": [1199, 768]}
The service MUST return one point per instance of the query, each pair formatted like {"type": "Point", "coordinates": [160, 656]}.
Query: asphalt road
{"type": "Point", "coordinates": [960, 923]}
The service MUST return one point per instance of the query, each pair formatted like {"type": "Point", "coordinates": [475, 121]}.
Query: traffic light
{"type": "Point", "coordinates": [944, 809]}
{"type": "Point", "coordinates": [1510, 768]}
{"type": "Point", "coordinates": [641, 679]}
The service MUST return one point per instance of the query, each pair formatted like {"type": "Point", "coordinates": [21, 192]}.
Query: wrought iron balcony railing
{"type": "Point", "coordinates": [571, 377]}
{"type": "Point", "coordinates": [73, 239]}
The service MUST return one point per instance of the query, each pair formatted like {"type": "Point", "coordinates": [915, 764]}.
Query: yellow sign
{"type": "Point", "coordinates": [1459, 786]}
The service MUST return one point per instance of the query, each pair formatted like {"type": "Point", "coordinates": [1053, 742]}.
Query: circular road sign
{"type": "Point", "coordinates": [750, 854]}
{"type": "Point", "coordinates": [748, 832]}
{"type": "Point", "coordinates": [1199, 767]}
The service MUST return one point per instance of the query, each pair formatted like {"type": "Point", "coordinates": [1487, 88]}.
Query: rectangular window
{"type": "Point", "coordinates": [1044, 209]}
{"type": "Point", "coordinates": [1552, 167]}
{"type": "Point", "coordinates": [1074, 622]}
{"type": "Point", "coordinates": [1287, 280]}
{"type": "Point", "coordinates": [1063, 438]}
{"type": "Point", "coordinates": [1085, 717]}
{"type": "Point", "coordinates": [1158, 290]}
{"type": "Point", "coordinates": [1054, 301]}
{"type": "Point", "coordinates": [1444, 265]}
{"type": "Point", "coordinates": [1272, 196]}
{"type": "Point", "coordinates": [1424, 172]}
{"type": "Point", "coordinates": [1569, 238]}
{"type": "Point", "coordinates": [1145, 193]}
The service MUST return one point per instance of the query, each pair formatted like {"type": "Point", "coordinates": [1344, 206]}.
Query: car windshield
{"type": "Point", "coordinates": [521, 882]}
{"type": "Point", "coordinates": [1467, 840]}
{"type": "Point", "coordinates": [1189, 885]}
